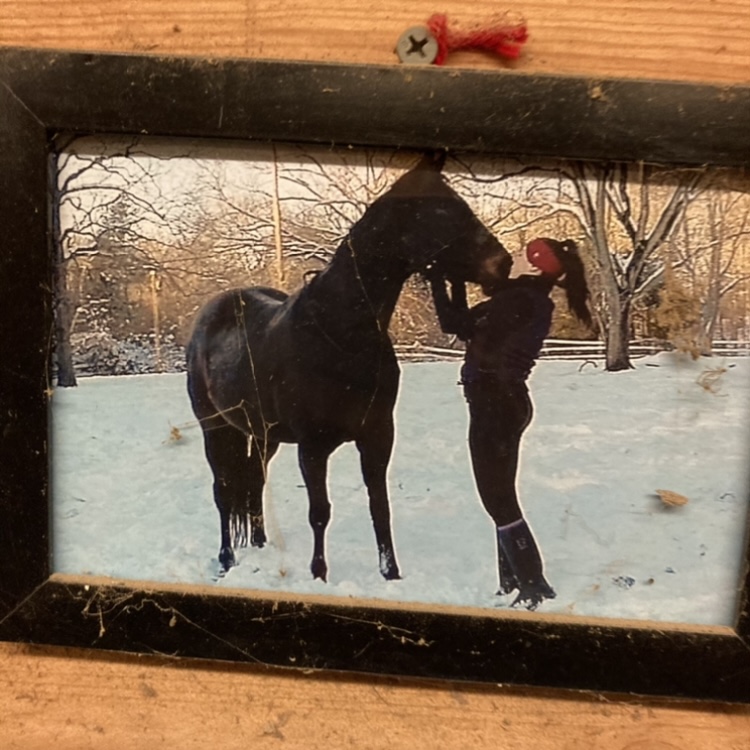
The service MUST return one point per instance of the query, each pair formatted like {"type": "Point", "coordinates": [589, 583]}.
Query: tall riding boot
{"type": "Point", "coordinates": [522, 555]}
{"type": "Point", "coordinates": [505, 574]}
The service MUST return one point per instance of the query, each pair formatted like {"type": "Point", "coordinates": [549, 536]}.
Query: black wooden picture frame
{"type": "Point", "coordinates": [45, 93]}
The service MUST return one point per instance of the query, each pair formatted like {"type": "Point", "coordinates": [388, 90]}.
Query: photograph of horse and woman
{"type": "Point", "coordinates": [533, 374]}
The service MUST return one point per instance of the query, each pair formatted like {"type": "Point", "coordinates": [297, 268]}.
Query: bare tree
{"type": "Point", "coordinates": [645, 209]}
{"type": "Point", "coordinates": [626, 214]}
{"type": "Point", "coordinates": [710, 251]}
{"type": "Point", "coordinates": [325, 194]}
{"type": "Point", "coordinates": [234, 209]}
{"type": "Point", "coordinates": [106, 199]}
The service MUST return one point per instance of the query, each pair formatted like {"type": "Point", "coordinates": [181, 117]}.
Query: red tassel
{"type": "Point", "coordinates": [504, 38]}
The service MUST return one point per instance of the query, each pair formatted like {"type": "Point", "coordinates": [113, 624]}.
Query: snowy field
{"type": "Point", "coordinates": [132, 502]}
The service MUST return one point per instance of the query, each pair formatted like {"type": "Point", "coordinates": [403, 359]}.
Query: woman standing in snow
{"type": "Point", "coordinates": [504, 336]}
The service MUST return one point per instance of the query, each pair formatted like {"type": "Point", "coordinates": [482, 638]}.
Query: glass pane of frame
{"type": "Point", "coordinates": [631, 474]}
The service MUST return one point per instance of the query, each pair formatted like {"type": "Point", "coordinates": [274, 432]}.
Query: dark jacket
{"type": "Point", "coordinates": [504, 334]}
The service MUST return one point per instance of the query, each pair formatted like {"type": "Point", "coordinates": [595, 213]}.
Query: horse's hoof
{"type": "Point", "coordinates": [227, 559]}
{"type": "Point", "coordinates": [388, 566]}
{"type": "Point", "coordinates": [319, 570]}
{"type": "Point", "coordinates": [258, 539]}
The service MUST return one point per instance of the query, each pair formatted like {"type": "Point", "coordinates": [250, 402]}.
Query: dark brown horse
{"type": "Point", "coordinates": [317, 368]}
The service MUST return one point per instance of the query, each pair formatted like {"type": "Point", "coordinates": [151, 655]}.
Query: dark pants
{"type": "Point", "coordinates": [500, 411]}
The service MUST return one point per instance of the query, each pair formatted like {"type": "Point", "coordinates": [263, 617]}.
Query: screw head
{"type": "Point", "coordinates": [417, 46]}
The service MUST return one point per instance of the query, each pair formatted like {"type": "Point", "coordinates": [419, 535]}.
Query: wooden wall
{"type": "Point", "coordinates": [59, 698]}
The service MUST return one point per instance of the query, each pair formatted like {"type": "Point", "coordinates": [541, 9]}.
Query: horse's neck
{"type": "Point", "coordinates": [362, 283]}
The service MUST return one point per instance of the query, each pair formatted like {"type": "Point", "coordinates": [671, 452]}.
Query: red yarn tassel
{"type": "Point", "coordinates": [504, 38]}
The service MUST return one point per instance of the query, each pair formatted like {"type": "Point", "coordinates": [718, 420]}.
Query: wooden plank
{"type": "Point", "coordinates": [77, 699]}
{"type": "Point", "coordinates": [63, 699]}
{"type": "Point", "coordinates": [690, 40]}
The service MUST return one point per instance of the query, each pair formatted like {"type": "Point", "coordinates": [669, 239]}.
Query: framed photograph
{"type": "Point", "coordinates": [396, 370]}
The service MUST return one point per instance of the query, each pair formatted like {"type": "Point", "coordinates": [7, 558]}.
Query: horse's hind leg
{"type": "Point", "coordinates": [261, 452]}
{"type": "Point", "coordinates": [313, 462]}
{"type": "Point", "coordinates": [226, 451]}
{"type": "Point", "coordinates": [375, 454]}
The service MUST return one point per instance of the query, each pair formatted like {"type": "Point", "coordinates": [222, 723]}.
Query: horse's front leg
{"type": "Point", "coordinates": [313, 462]}
{"type": "Point", "coordinates": [375, 454]}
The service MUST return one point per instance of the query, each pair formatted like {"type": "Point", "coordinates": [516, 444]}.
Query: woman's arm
{"type": "Point", "coordinates": [453, 312]}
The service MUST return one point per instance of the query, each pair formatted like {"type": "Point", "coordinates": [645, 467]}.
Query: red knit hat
{"type": "Point", "coordinates": [543, 257]}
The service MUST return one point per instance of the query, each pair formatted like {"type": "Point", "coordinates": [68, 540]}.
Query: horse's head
{"type": "Point", "coordinates": [439, 230]}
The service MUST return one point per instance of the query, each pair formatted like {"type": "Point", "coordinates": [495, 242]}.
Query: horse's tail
{"type": "Point", "coordinates": [239, 518]}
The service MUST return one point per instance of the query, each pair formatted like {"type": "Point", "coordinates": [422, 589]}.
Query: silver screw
{"type": "Point", "coordinates": [417, 46]}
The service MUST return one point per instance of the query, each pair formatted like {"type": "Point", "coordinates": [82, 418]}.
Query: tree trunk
{"type": "Point", "coordinates": [66, 376]}
{"type": "Point", "coordinates": [276, 209]}
{"type": "Point", "coordinates": [155, 285]}
{"type": "Point", "coordinates": [615, 317]}
{"type": "Point", "coordinates": [711, 305]}
{"type": "Point", "coordinates": [63, 308]}
{"type": "Point", "coordinates": [709, 317]}
{"type": "Point", "coordinates": [618, 334]}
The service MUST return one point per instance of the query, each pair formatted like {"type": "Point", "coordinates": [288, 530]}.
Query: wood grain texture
{"type": "Point", "coordinates": [79, 700]}
{"type": "Point", "coordinates": [64, 699]}
{"type": "Point", "coordinates": [689, 40]}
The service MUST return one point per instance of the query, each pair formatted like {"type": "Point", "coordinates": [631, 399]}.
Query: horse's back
{"type": "Point", "coordinates": [227, 334]}
{"type": "Point", "coordinates": [231, 314]}
{"type": "Point", "coordinates": [268, 365]}
{"type": "Point", "coordinates": [222, 309]}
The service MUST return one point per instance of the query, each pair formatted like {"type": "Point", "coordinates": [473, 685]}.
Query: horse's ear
{"type": "Point", "coordinates": [422, 180]}
{"type": "Point", "coordinates": [432, 161]}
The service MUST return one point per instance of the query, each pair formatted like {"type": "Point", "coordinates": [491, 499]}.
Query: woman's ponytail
{"type": "Point", "coordinates": [573, 279]}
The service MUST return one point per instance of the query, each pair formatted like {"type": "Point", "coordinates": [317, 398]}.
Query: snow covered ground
{"type": "Point", "coordinates": [132, 502]}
